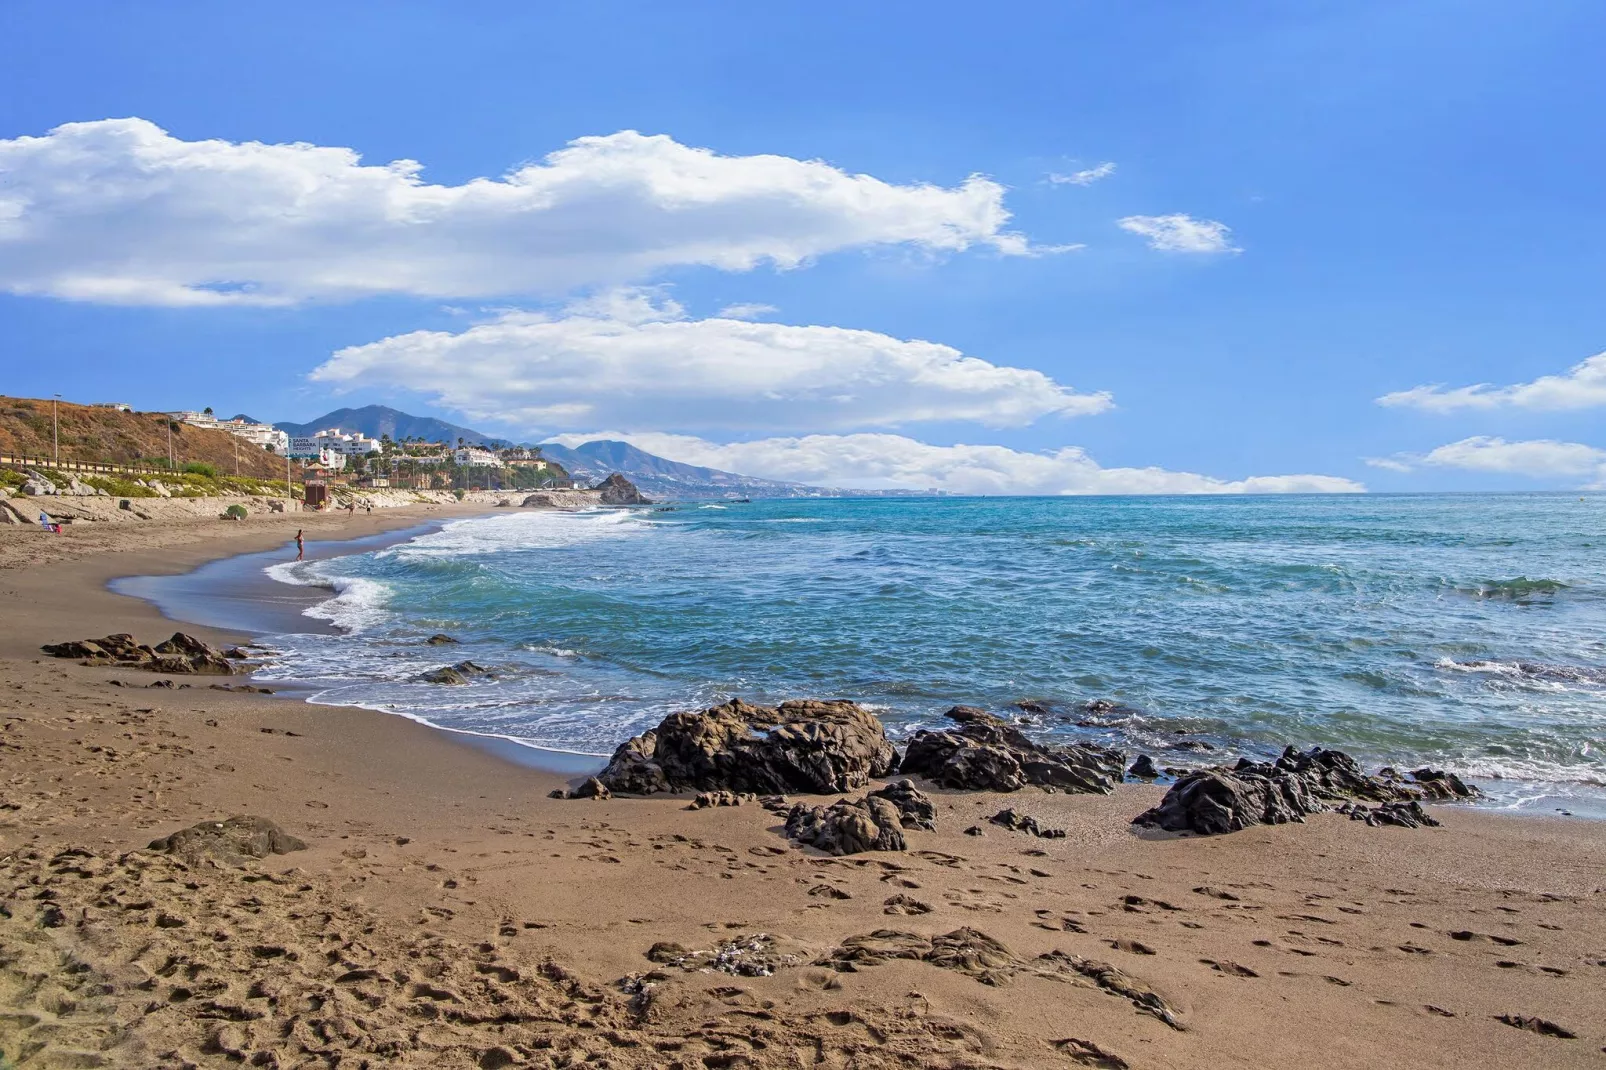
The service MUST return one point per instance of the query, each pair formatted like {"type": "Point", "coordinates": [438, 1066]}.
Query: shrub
{"type": "Point", "coordinates": [459, 493]}
{"type": "Point", "coordinates": [235, 512]}
{"type": "Point", "coordinates": [201, 468]}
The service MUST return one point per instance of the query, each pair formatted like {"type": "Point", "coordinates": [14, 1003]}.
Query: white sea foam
{"type": "Point", "coordinates": [518, 531]}
{"type": "Point", "coordinates": [358, 604]}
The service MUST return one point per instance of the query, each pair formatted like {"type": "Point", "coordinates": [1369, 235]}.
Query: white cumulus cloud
{"type": "Point", "coordinates": [884, 461]}
{"type": "Point", "coordinates": [1539, 458]}
{"type": "Point", "coordinates": [120, 211]}
{"type": "Point", "coordinates": [630, 358]}
{"type": "Point", "coordinates": [1083, 178]}
{"type": "Point", "coordinates": [1181, 233]}
{"type": "Point", "coordinates": [1582, 387]}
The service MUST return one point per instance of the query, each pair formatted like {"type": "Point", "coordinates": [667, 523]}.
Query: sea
{"type": "Point", "coordinates": [1465, 632]}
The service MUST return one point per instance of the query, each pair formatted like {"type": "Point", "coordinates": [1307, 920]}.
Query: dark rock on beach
{"type": "Point", "coordinates": [439, 639]}
{"type": "Point", "coordinates": [181, 655]}
{"type": "Point", "coordinates": [1143, 768]}
{"type": "Point", "coordinates": [1222, 799]}
{"type": "Point", "coordinates": [986, 753]}
{"type": "Point", "coordinates": [461, 673]}
{"type": "Point", "coordinates": [617, 490]}
{"type": "Point", "coordinates": [848, 826]}
{"type": "Point", "coordinates": [802, 746]}
{"type": "Point", "coordinates": [1019, 822]}
{"type": "Point", "coordinates": [873, 823]}
{"type": "Point", "coordinates": [231, 841]}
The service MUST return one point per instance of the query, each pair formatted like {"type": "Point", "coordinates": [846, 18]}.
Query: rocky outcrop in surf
{"type": "Point", "coordinates": [180, 655]}
{"type": "Point", "coordinates": [1214, 801]}
{"type": "Point", "coordinates": [617, 490]}
{"type": "Point", "coordinates": [986, 753]}
{"type": "Point", "coordinates": [800, 746]}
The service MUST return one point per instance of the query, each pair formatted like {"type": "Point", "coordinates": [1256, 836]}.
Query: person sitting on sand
{"type": "Point", "coordinates": [301, 547]}
{"type": "Point", "coordinates": [49, 524]}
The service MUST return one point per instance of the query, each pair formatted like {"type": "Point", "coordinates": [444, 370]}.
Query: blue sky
{"type": "Point", "coordinates": [1410, 194]}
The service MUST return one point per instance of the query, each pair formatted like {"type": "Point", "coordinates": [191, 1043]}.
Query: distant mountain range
{"type": "Point", "coordinates": [376, 421]}
{"type": "Point", "coordinates": [591, 462]}
{"type": "Point", "coordinates": [658, 477]}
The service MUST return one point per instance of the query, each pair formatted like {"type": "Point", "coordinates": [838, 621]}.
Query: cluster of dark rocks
{"type": "Point", "coordinates": [1227, 799]}
{"type": "Point", "coordinates": [181, 655]}
{"type": "Point", "coordinates": [815, 748]}
{"type": "Point", "coordinates": [987, 753]}
{"type": "Point", "coordinates": [738, 751]}
{"type": "Point", "coordinates": [873, 823]}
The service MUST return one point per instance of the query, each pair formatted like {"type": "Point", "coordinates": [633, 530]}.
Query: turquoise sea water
{"type": "Point", "coordinates": [1468, 632]}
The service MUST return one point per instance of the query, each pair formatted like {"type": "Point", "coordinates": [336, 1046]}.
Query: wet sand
{"type": "Point", "coordinates": [447, 913]}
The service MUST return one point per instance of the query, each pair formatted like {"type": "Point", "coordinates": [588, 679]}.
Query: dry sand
{"type": "Point", "coordinates": [447, 913]}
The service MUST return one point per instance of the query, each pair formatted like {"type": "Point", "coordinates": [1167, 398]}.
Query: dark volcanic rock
{"type": "Point", "coordinates": [1143, 768]}
{"type": "Point", "coordinates": [1219, 800]}
{"type": "Point", "coordinates": [873, 823]}
{"type": "Point", "coordinates": [617, 490]}
{"type": "Point", "coordinates": [1014, 819]}
{"type": "Point", "coordinates": [848, 826]}
{"type": "Point", "coordinates": [182, 654]}
{"type": "Point", "coordinates": [231, 841]}
{"type": "Point", "coordinates": [801, 746]}
{"type": "Point", "coordinates": [460, 673]}
{"type": "Point", "coordinates": [915, 808]}
{"type": "Point", "coordinates": [986, 753]}
{"type": "Point", "coordinates": [439, 639]}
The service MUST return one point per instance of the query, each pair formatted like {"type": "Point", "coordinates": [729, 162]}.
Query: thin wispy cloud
{"type": "Point", "coordinates": [632, 358]}
{"type": "Point", "coordinates": [118, 211]}
{"type": "Point", "coordinates": [1082, 178]}
{"type": "Point", "coordinates": [1181, 233]}
{"type": "Point", "coordinates": [887, 461]}
{"type": "Point", "coordinates": [1583, 386]}
{"type": "Point", "coordinates": [747, 311]}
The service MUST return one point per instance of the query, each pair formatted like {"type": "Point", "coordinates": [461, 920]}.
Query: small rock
{"type": "Point", "coordinates": [1143, 768]}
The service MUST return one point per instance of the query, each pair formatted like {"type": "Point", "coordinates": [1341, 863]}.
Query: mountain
{"type": "Point", "coordinates": [591, 462]}
{"type": "Point", "coordinates": [658, 477]}
{"type": "Point", "coordinates": [376, 421]}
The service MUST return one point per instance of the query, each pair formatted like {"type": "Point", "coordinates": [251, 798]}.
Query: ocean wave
{"type": "Point", "coordinates": [517, 531]}
{"type": "Point", "coordinates": [1520, 590]}
{"type": "Point", "coordinates": [1529, 670]}
{"type": "Point", "coordinates": [358, 604]}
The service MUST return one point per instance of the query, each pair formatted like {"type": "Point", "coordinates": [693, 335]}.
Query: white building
{"type": "Point", "coordinates": [474, 457]}
{"type": "Point", "coordinates": [260, 435]}
{"type": "Point", "coordinates": [264, 436]}
{"type": "Point", "coordinates": [333, 440]}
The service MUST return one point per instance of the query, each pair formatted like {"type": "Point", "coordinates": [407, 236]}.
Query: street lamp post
{"type": "Point", "coordinates": [55, 430]}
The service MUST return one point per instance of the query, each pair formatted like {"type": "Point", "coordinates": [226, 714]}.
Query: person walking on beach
{"type": "Point", "coordinates": [301, 546]}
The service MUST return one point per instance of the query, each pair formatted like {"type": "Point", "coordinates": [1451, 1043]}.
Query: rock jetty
{"type": "Point", "coordinates": [1225, 799]}
{"type": "Point", "coordinates": [181, 655]}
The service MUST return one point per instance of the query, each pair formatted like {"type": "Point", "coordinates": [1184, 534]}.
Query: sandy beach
{"type": "Point", "coordinates": [446, 912]}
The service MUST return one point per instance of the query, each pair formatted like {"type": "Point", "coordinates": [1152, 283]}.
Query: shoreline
{"type": "Point", "coordinates": [225, 584]}
{"type": "Point", "coordinates": [474, 891]}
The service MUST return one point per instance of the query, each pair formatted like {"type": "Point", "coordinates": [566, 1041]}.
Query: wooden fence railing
{"type": "Point", "coordinates": [26, 461]}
